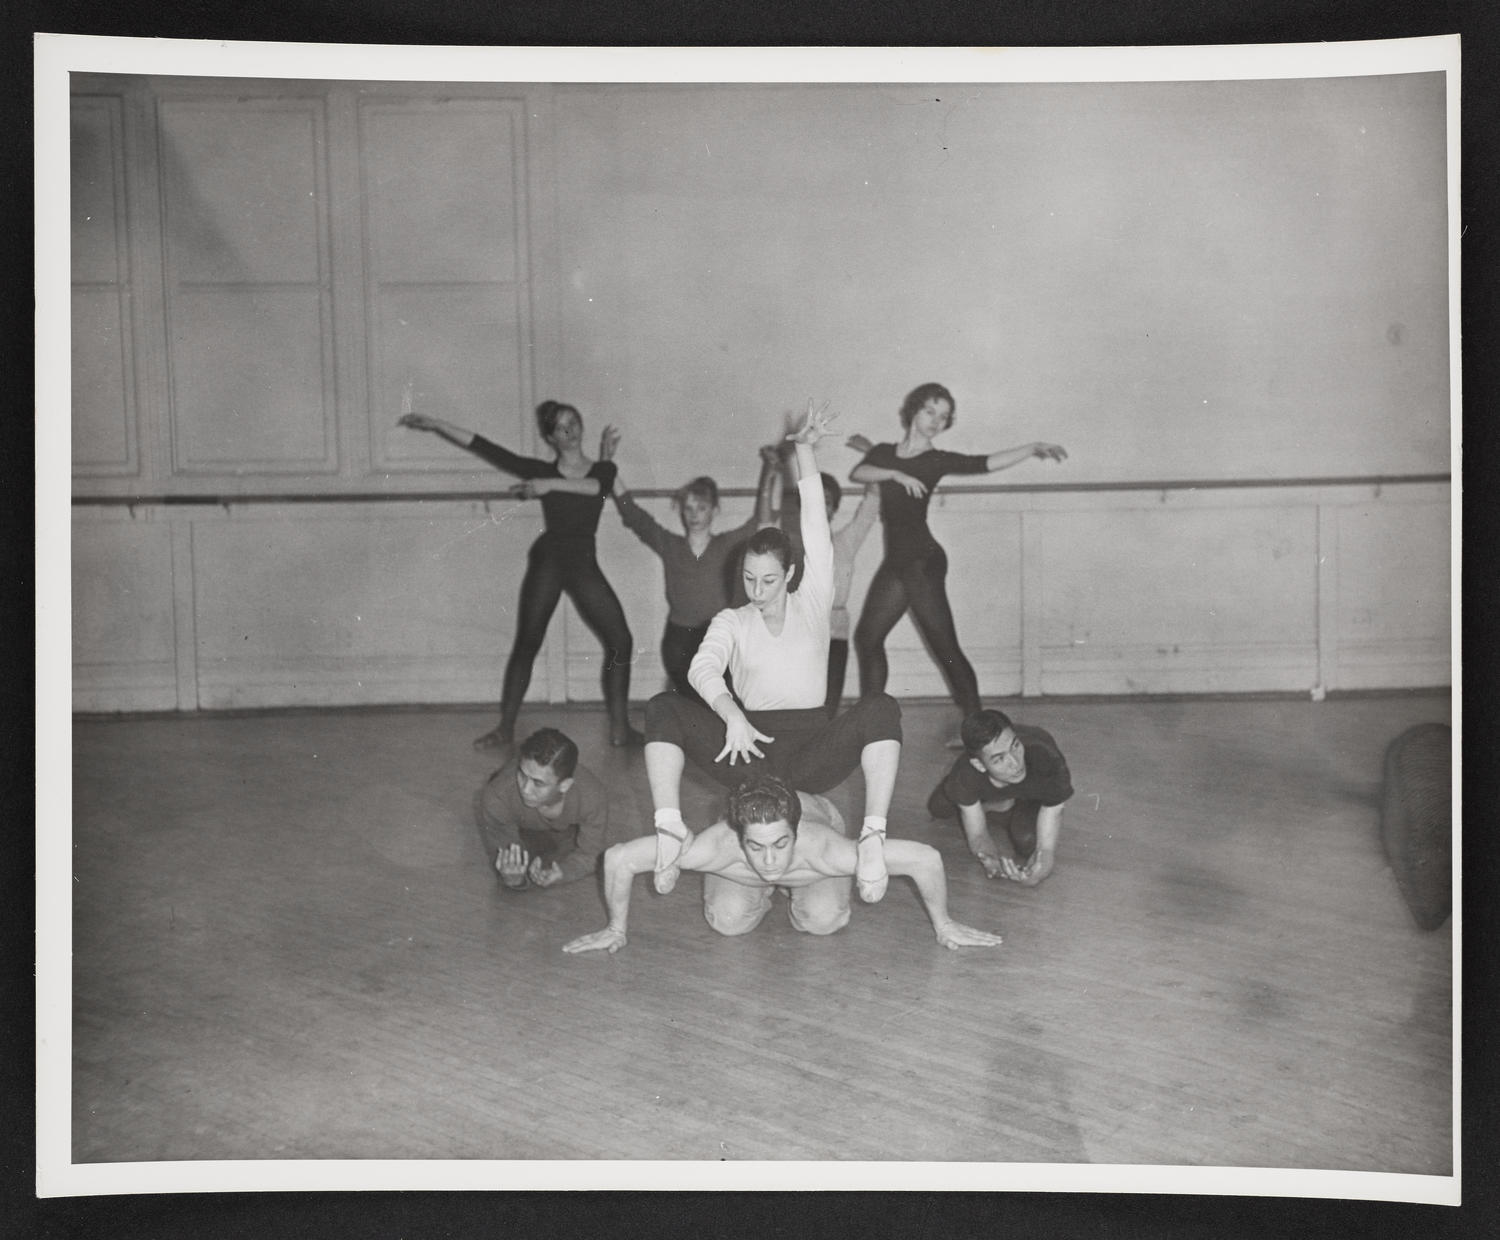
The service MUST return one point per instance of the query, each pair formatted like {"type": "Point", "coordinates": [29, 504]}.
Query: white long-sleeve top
{"type": "Point", "coordinates": [785, 671]}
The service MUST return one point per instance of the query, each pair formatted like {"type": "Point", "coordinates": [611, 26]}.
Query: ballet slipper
{"type": "Point", "coordinates": [870, 876]}
{"type": "Point", "coordinates": [669, 846]}
{"type": "Point", "coordinates": [630, 737]}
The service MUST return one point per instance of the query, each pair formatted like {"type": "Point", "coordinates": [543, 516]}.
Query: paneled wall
{"type": "Point", "coordinates": [265, 273]}
{"type": "Point", "coordinates": [187, 606]}
{"type": "Point", "coordinates": [106, 431]}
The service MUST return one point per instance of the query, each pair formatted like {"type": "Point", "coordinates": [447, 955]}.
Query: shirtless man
{"type": "Point", "coordinates": [774, 837]}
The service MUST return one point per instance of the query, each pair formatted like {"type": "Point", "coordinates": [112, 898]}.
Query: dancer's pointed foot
{"type": "Point", "coordinates": [629, 737]}
{"type": "Point", "coordinates": [671, 839]}
{"type": "Point", "coordinates": [493, 741]}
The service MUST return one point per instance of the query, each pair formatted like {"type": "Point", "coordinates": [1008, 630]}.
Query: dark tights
{"type": "Point", "coordinates": [838, 662]}
{"type": "Point", "coordinates": [555, 566]}
{"type": "Point", "coordinates": [917, 585]}
{"type": "Point", "coordinates": [679, 643]}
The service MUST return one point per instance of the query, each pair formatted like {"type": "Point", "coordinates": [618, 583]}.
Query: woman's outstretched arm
{"type": "Point", "coordinates": [462, 436]}
{"type": "Point", "coordinates": [1007, 457]}
{"type": "Point", "coordinates": [501, 458]}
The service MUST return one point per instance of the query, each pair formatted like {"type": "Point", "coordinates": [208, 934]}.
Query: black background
{"type": "Point", "coordinates": [771, 1216]}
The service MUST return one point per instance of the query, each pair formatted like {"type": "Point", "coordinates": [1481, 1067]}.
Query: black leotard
{"type": "Point", "coordinates": [562, 560]}
{"type": "Point", "coordinates": [913, 575]}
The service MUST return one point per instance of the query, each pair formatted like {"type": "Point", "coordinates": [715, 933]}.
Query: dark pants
{"type": "Point", "coordinates": [838, 663]}
{"type": "Point", "coordinates": [1018, 822]}
{"type": "Point", "coordinates": [918, 586]}
{"type": "Point", "coordinates": [679, 644]}
{"type": "Point", "coordinates": [555, 566]}
{"type": "Point", "coordinates": [810, 751]}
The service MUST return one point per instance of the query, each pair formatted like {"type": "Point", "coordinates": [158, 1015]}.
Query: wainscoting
{"type": "Point", "coordinates": [184, 606]}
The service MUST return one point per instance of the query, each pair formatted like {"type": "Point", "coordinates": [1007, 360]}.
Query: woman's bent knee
{"type": "Point", "coordinates": [879, 718]}
{"type": "Point", "coordinates": [661, 718]}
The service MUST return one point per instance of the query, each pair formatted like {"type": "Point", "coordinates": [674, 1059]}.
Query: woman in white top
{"type": "Point", "coordinates": [775, 649]}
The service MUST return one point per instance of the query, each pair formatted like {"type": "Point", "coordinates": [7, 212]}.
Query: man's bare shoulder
{"type": "Point", "coordinates": [712, 849]}
{"type": "Point", "coordinates": [824, 849]}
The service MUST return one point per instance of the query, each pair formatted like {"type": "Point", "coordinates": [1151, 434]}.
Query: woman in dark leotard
{"type": "Point", "coordinates": [572, 489]}
{"type": "Point", "coordinates": [914, 572]}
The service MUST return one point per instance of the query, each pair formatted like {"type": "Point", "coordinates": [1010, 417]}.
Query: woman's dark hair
{"type": "Point", "coordinates": [704, 487]}
{"type": "Point", "coordinates": [920, 395]}
{"type": "Point", "coordinates": [763, 798]}
{"type": "Point", "coordinates": [770, 541]}
{"type": "Point", "coordinates": [547, 414]}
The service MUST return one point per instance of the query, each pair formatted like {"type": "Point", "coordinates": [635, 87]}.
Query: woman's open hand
{"type": "Point", "coordinates": [740, 737]}
{"type": "Point", "coordinates": [914, 487]}
{"type": "Point", "coordinates": [818, 424]}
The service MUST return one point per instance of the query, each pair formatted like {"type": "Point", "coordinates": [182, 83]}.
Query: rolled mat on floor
{"type": "Point", "coordinates": [1416, 820]}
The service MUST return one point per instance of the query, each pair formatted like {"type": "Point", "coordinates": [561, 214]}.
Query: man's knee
{"type": "Point", "coordinates": [829, 921]}
{"type": "Point", "coordinates": [732, 924]}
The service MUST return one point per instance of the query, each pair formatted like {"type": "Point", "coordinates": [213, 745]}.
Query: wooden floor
{"type": "Point", "coordinates": [288, 945]}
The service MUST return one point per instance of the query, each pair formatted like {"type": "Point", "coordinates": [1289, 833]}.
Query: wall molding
{"type": "Point", "coordinates": [1379, 645]}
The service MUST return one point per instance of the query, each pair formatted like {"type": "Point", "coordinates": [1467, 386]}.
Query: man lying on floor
{"type": "Point", "coordinates": [774, 837]}
{"type": "Point", "coordinates": [543, 816]}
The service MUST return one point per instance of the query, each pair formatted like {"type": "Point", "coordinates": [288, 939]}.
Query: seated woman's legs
{"type": "Point", "coordinates": [867, 735]}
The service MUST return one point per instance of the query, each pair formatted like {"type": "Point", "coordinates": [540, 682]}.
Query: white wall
{"type": "Point", "coordinates": [1195, 280]}
{"type": "Point", "coordinates": [1240, 283]}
